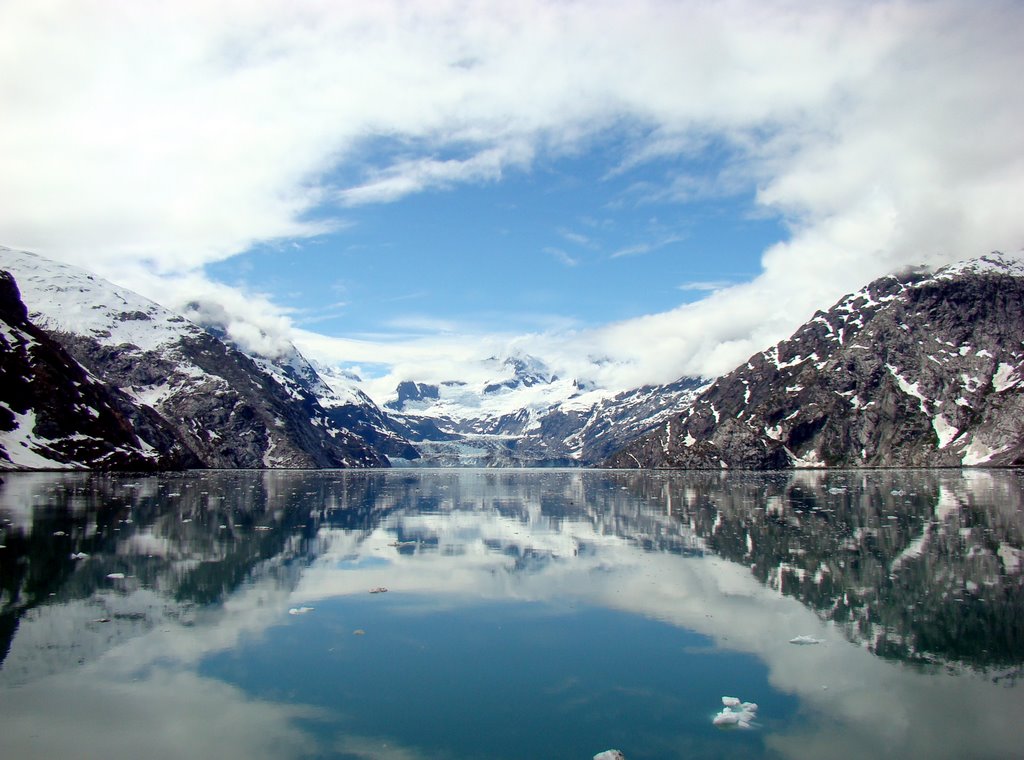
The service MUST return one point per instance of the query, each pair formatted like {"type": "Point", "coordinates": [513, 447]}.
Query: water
{"type": "Point", "coordinates": [528, 614]}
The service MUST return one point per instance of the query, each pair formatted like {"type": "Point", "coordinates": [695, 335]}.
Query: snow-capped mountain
{"type": "Point", "coordinates": [225, 408]}
{"type": "Point", "coordinates": [523, 414]}
{"type": "Point", "coordinates": [916, 369]}
{"type": "Point", "coordinates": [53, 414]}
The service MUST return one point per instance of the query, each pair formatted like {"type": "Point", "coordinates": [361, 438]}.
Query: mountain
{"type": "Point", "coordinates": [520, 413]}
{"type": "Point", "coordinates": [917, 369]}
{"type": "Point", "coordinates": [218, 406]}
{"type": "Point", "coordinates": [54, 415]}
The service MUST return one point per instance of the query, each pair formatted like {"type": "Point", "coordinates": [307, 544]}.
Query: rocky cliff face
{"type": "Point", "coordinates": [916, 369]}
{"type": "Point", "coordinates": [183, 388]}
{"type": "Point", "coordinates": [53, 414]}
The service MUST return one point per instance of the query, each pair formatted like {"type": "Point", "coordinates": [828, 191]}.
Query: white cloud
{"type": "Point", "coordinates": [641, 248]}
{"type": "Point", "coordinates": [704, 285]}
{"type": "Point", "coordinates": [883, 133]}
{"type": "Point", "coordinates": [561, 256]}
{"type": "Point", "coordinates": [412, 176]}
{"type": "Point", "coordinates": [577, 238]}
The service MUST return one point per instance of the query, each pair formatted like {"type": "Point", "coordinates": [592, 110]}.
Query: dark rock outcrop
{"type": "Point", "coordinates": [916, 369]}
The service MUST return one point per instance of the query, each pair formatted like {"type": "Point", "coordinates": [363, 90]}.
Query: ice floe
{"type": "Point", "coordinates": [299, 610]}
{"type": "Point", "coordinates": [610, 754]}
{"type": "Point", "coordinates": [735, 714]}
{"type": "Point", "coordinates": [805, 640]}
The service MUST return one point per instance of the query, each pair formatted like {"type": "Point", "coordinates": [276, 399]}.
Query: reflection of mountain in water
{"type": "Point", "coordinates": [182, 543]}
{"type": "Point", "coordinates": [921, 566]}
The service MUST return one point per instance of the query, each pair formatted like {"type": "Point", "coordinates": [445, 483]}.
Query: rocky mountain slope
{"type": "Point", "coordinates": [220, 407]}
{"type": "Point", "coordinates": [53, 414]}
{"type": "Point", "coordinates": [916, 369]}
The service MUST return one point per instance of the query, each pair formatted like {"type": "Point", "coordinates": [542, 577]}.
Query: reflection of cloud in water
{"type": "Point", "coordinates": [164, 715]}
{"type": "Point", "coordinates": [508, 537]}
{"type": "Point", "coordinates": [873, 705]}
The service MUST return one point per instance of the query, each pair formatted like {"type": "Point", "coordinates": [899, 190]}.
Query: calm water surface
{"type": "Point", "coordinates": [527, 614]}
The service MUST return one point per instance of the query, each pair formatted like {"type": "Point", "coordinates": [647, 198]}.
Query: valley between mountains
{"type": "Point", "coordinates": [919, 368]}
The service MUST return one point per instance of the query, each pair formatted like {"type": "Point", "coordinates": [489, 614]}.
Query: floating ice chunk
{"type": "Point", "coordinates": [299, 610]}
{"type": "Point", "coordinates": [79, 555]}
{"type": "Point", "coordinates": [116, 576]}
{"type": "Point", "coordinates": [726, 718]}
{"type": "Point", "coordinates": [378, 590]}
{"type": "Point", "coordinates": [735, 714]}
{"type": "Point", "coordinates": [805, 640]}
{"type": "Point", "coordinates": [610, 754]}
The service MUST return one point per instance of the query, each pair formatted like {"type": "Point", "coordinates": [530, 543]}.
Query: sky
{"type": "Point", "coordinates": [632, 192]}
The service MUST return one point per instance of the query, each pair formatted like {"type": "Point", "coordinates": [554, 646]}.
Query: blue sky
{"type": "Point", "coordinates": [630, 191]}
{"type": "Point", "coordinates": [571, 243]}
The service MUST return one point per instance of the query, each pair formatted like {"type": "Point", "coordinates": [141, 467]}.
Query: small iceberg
{"type": "Point", "coordinates": [378, 590]}
{"type": "Point", "coordinates": [299, 610]}
{"type": "Point", "coordinates": [736, 714]}
{"type": "Point", "coordinates": [805, 640]}
{"type": "Point", "coordinates": [116, 576]}
{"type": "Point", "coordinates": [610, 754]}
{"type": "Point", "coordinates": [79, 555]}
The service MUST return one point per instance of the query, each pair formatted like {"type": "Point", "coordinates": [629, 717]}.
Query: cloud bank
{"type": "Point", "coordinates": [883, 133]}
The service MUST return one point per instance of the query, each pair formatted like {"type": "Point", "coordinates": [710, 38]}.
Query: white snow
{"type": "Point", "coordinates": [1001, 380]}
{"type": "Point", "coordinates": [20, 444]}
{"type": "Point", "coordinates": [993, 263]}
{"type": "Point", "coordinates": [811, 460]}
{"type": "Point", "coordinates": [944, 430]}
{"type": "Point", "coordinates": [977, 452]}
{"type": "Point", "coordinates": [911, 389]}
{"type": "Point", "coordinates": [68, 299]}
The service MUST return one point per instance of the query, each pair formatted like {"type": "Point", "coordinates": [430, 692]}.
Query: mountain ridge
{"type": "Point", "coordinates": [917, 368]}
{"type": "Point", "coordinates": [226, 408]}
